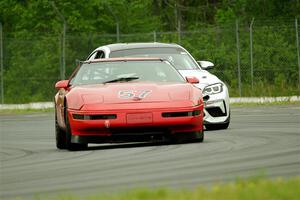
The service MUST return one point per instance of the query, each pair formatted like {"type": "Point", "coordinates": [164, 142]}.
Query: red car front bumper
{"type": "Point", "coordinates": [135, 122]}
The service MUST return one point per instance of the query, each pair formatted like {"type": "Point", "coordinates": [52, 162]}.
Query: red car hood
{"type": "Point", "coordinates": [129, 93]}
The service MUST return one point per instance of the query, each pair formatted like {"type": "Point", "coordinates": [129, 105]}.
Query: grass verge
{"type": "Point", "coordinates": [250, 189]}
{"type": "Point", "coordinates": [25, 111]}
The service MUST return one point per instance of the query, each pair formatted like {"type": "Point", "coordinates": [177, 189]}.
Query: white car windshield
{"type": "Point", "coordinates": [125, 71]}
{"type": "Point", "coordinates": [177, 56]}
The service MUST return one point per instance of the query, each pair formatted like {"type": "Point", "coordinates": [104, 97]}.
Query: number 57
{"type": "Point", "coordinates": [130, 94]}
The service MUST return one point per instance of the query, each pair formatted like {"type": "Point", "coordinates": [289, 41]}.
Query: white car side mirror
{"type": "Point", "coordinates": [206, 64]}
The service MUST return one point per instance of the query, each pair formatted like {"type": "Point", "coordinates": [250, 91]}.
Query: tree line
{"type": "Point", "coordinates": [32, 37]}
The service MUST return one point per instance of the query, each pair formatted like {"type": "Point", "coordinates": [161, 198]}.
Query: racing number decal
{"type": "Point", "coordinates": [130, 94]}
{"type": "Point", "coordinates": [126, 94]}
{"type": "Point", "coordinates": [144, 93]}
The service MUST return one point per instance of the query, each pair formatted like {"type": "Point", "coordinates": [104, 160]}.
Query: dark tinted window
{"type": "Point", "coordinates": [100, 54]}
{"type": "Point", "coordinates": [177, 56]}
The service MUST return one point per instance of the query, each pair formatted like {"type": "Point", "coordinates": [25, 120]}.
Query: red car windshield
{"type": "Point", "coordinates": [125, 71]}
{"type": "Point", "coordinates": [177, 56]}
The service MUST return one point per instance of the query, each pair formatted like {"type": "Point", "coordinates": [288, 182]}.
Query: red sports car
{"type": "Point", "coordinates": [127, 99]}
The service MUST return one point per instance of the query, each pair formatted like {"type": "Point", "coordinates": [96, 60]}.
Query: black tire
{"type": "Point", "coordinates": [217, 126]}
{"type": "Point", "coordinates": [199, 136]}
{"type": "Point", "coordinates": [196, 136]}
{"type": "Point", "coordinates": [60, 136]}
{"type": "Point", "coordinates": [69, 144]}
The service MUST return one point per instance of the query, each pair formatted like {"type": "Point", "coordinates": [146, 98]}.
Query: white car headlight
{"type": "Point", "coordinates": [213, 89]}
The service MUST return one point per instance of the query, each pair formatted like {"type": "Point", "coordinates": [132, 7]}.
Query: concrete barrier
{"type": "Point", "coordinates": [263, 99]}
{"type": "Point", "coordinates": [36, 105]}
{"type": "Point", "coordinates": [45, 105]}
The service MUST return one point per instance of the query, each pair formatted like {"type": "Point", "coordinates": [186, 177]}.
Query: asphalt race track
{"type": "Point", "coordinates": [260, 140]}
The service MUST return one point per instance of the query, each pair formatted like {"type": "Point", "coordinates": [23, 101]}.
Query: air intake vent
{"type": "Point", "coordinates": [94, 117]}
{"type": "Point", "coordinates": [215, 112]}
{"type": "Point", "coordinates": [181, 114]}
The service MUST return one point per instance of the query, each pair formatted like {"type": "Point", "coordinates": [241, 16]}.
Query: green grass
{"type": "Point", "coordinates": [25, 111]}
{"type": "Point", "coordinates": [265, 89]}
{"type": "Point", "coordinates": [256, 188]}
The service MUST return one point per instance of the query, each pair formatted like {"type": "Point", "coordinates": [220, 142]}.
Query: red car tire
{"type": "Point", "coordinates": [60, 135]}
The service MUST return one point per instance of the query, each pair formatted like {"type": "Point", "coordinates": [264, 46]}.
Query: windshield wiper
{"type": "Point", "coordinates": [122, 79]}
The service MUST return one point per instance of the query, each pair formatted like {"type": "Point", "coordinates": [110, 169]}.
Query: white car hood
{"type": "Point", "coordinates": [205, 78]}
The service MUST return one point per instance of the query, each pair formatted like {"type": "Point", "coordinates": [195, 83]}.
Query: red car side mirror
{"type": "Point", "coordinates": [62, 84]}
{"type": "Point", "coordinates": [192, 79]}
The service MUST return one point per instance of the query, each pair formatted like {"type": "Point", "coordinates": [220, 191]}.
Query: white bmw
{"type": "Point", "coordinates": [217, 111]}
